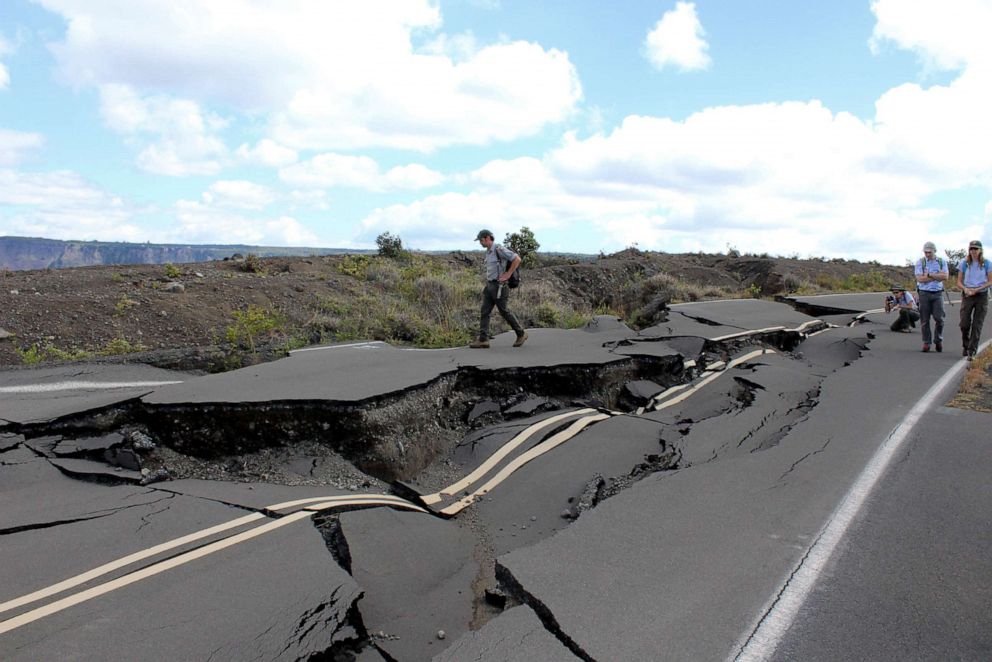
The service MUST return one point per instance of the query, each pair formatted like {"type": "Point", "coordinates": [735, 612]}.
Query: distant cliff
{"type": "Point", "coordinates": [18, 253]}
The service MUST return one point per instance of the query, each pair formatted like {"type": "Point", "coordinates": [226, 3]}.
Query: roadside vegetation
{"type": "Point", "coordinates": [252, 309]}
{"type": "Point", "coordinates": [975, 392]}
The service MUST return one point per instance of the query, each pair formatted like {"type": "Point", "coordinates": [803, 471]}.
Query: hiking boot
{"type": "Point", "coordinates": [521, 339]}
{"type": "Point", "coordinates": [939, 347]}
{"type": "Point", "coordinates": [479, 344]}
{"type": "Point", "coordinates": [926, 348]}
{"type": "Point", "coordinates": [964, 352]}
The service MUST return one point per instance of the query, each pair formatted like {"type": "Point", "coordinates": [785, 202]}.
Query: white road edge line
{"type": "Point", "coordinates": [782, 609]}
{"type": "Point", "coordinates": [75, 386]}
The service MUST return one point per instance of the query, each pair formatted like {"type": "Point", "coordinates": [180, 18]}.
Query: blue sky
{"type": "Point", "coordinates": [845, 129]}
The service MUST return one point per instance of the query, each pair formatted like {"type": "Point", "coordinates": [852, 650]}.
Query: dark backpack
{"type": "Point", "coordinates": [514, 281]}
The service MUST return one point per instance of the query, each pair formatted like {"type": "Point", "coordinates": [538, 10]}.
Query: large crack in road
{"type": "Point", "coordinates": [422, 438]}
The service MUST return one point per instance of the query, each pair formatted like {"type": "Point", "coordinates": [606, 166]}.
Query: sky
{"type": "Point", "coordinates": [853, 129]}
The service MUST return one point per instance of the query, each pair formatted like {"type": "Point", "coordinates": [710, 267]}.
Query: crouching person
{"type": "Point", "coordinates": [903, 302]}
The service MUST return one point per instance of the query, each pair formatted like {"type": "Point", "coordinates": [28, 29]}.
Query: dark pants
{"type": "Point", "coordinates": [973, 311]}
{"type": "Point", "coordinates": [932, 305]}
{"type": "Point", "coordinates": [906, 319]}
{"type": "Point", "coordinates": [490, 299]}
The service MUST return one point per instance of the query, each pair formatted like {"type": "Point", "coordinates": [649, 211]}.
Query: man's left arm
{"type": "Point", "coordinates": [505, 276]}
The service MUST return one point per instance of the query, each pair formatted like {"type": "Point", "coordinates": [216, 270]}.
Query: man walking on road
{"type": "Point", "coordinates": [973, 281]}
{"type": "Point", "coordinates": [501, 262]}
{"type": "Point", "coordinates": [931, 272]}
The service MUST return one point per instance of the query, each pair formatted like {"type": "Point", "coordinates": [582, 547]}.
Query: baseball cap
{"type": "Point", "coordinates": [930, 246]}
{"type": "Point", "coordinates": [483, 233]}
{"type": "Point", "coordinates": [975, 244]}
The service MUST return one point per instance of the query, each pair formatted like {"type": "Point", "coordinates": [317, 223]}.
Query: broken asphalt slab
{"type": "Point", "coordinates": [39, 395]}
{"type": "Point", "coordinates": [678, 566]}
{"type": "Point", "coordinates": [516, 635]}
{"type": "Point", "coordinates": [371, 370]}
{"type": "Point", "coordinates": [277, 595]}
{"type": "Point", "coordinates": [416, 573]}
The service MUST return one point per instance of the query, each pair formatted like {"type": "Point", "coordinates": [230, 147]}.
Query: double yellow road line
{"type": "Point", "coordinates": [307, 507]}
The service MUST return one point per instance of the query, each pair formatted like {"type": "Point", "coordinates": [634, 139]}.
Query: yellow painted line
{"type": "Point", "coordinates": [716, 365]}
{"type": "Point", "coordinates": [340, 497]}
{"type": "Point", "coordinates": [522, 459]}
{"type": "Point", "coordinates": [688, 364]}
{"type": "Point", "coordinates": [371, 501]}
{"type": "Point", "coordinates": [144, 573]}
{"type": "Point", "coordinates": [749, 333]}
{"type": "Point", "coordinates": [711, 377]}
{"type": "Point", "coordinates": [496, 457]}
{"type": "Point", "coordinates": [803, 326]}
{"type": "Point", "coordinates": [860, 316]}
{"type": "Point", "coordinates": [323, 502]}
{"type": "Point", "coordinates": [816, 333]}
{"type": "Point", "coordinates": [667, 393]}
{"type": "Point", "coordinates": [127, 560]}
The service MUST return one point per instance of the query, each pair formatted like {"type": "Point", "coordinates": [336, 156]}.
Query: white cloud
{"type": "Point", "coordinates": [310, 199]}
{"type": "Point", "coordinates": [784, 178]}
{"type": "Point", "coordinates": [5, 49]}
{"type": "Point", "coordinates": [341, 170]}
{"type": "Point", "coordinates": [778, 178]}
{"type": "Point", "coordinates": [334, 75]}
{"type": "Point", "coordinates": [948, 35]}
{"type": "Point", "coordinates": [13, 144]}
{"type": "Point", "coordinates": [61, 205]}
{"type": "Point", "coordinates": [203, 222]}
{"type": "Point", "coordinates": [184, 138]}
{"type": "Point", "coordinates": [677, 40]}
{"type": "Point", "coordinates": [239, 194]}
{"type": "Point", "coordinates": [267, 152]}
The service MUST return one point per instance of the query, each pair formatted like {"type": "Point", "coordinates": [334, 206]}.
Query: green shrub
{"type": "Point", "coordinates": [252, 264]}
{"type": "Point", "coordinates": [172, 271]}
{"type": "Point", "coordinates": [49, 352]}
{"type": "Point", "coordinates": [390, 245]}
{"type": "Point", "coordinates": [356, 266]}
{"type": "Point", "coordinates": [119, 346]}
{"type": "Point", "coordinates": [124, 304]}
{"type": "Point", "coordinates": [252, 323]}
{"type": "Point", "coordinates": [870, 281]}
{"type": "Point", "coordinates": [524, 244]}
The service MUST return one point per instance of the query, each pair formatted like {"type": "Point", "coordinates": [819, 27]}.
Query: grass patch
{"type": "Point", "coordinates": [48, 352]}
{"type": "Point", "coordinates": [119, 346]}
{"type": "Point", "coordinates": [975, 392]}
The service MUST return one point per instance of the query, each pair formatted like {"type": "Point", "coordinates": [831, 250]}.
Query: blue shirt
{"type": "Point", "coordinates": [925, 266]}
{"type": "Point", "coordinates": [905, 300]}
{"type": "Point", "coordinates": [497, 260]}
{"type": "Point", "coordinates": [974, 276]}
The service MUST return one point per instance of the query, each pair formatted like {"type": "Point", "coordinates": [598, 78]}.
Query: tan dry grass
{"type": "Point", "coordinates": [975, 392]}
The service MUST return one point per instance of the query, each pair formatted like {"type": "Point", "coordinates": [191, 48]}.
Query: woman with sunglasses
{"type": "Point", "coordinates": [973, 281]}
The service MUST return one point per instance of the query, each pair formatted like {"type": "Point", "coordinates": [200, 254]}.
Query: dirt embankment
{"type": "Point", "coordinates": [184, 316]}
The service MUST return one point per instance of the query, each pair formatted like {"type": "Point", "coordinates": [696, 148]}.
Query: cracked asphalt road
{"type": "Point", "coordinates": [660, 530]}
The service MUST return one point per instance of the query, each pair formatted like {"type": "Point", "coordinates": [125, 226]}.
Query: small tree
{"type": "Point", "coordinates": [390, 245]}
{"type": "Point", "coordinates": [523, 244]}
{"type": "Point", "coordinates": [953, 258]}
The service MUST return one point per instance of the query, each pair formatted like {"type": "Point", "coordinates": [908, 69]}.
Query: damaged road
{"type": "Point", "coordinates": [599, 494]}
